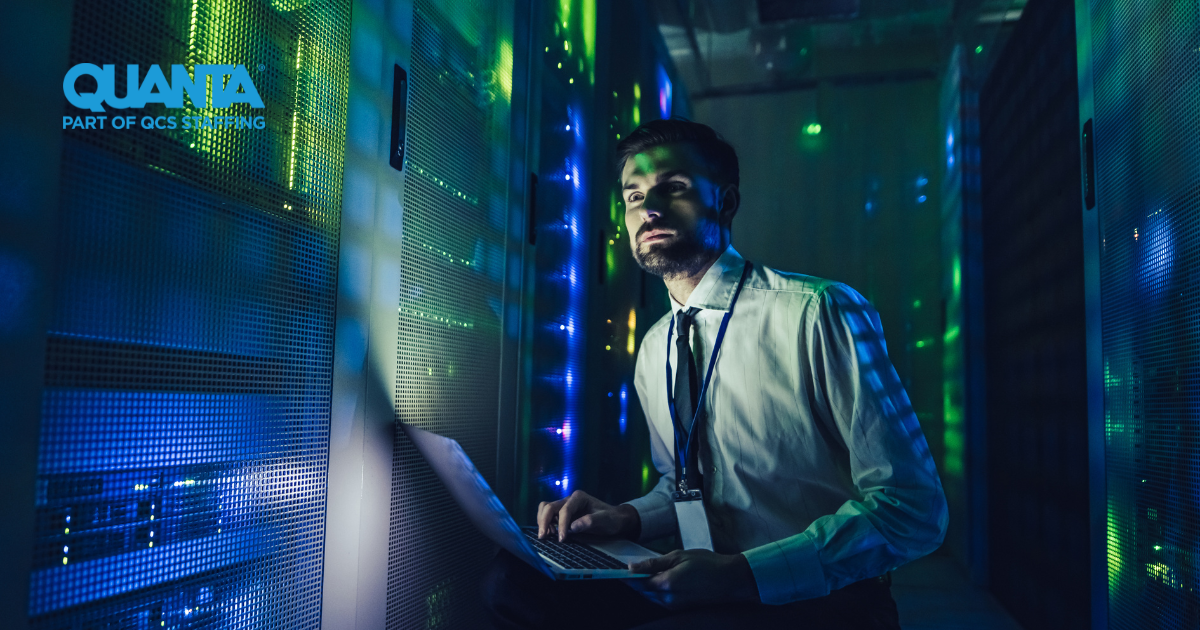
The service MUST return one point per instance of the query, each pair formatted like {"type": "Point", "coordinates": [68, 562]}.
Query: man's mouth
{"type": "Point", "coordinates": [656, 235]}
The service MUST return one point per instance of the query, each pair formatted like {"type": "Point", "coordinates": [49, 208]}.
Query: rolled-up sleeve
{"type": "Point", "coordinates": [902, 512]}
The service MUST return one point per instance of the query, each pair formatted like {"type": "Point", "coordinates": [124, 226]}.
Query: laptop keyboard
{"type": "Point", "coordinates": [571, 555]}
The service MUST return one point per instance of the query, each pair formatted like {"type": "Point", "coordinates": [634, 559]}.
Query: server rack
{"type": "Point", "coordinates": [962, 303]}
{"type": "Point", "coordinates": [603, 69]}
{"type": "Point", "coordinates": [430, 305]}
{"type": "Point", "coordinates": [1138, 85]}
{"type": "Point", "coordinates": [1033, 289]}
{"type": "Point", "coordinates": [184, 423]}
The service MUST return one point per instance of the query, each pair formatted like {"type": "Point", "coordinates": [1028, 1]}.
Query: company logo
{"type": "Point", "coordinates": [156, 89]}
{"type": "Point", "coordinates": [230, 84]}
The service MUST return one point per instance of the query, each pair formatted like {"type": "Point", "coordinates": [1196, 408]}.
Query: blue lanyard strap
{"type": "Point", "coordinates": [681, 455]}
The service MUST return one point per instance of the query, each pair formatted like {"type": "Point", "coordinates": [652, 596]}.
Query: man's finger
{"type": "Point", "coordinates": [656, 565]}
{"type": "Point", "coordinates": [583, 523]}
{"type": "Point", "coordinates": [545, 516]}
{"type": "Point", "coordinates": [569, 508]}
{"type": "Point", "coordinates": [660, 582]}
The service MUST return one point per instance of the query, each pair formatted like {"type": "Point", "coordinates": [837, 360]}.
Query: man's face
{"type": "Point", "coordinates": [671, 210]}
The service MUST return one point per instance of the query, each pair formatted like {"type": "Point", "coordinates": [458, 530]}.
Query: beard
{"type": "Point", "coordinates": [684, 255]}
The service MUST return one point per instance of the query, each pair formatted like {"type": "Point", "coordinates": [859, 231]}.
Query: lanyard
{"type": "Point", "coordinates": [681, 455]}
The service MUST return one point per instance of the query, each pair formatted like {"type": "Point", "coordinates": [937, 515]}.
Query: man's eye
{"type": "Point", "coordinates": [676, 186]}
{"type": "Point", "coordinates": [635, 197]}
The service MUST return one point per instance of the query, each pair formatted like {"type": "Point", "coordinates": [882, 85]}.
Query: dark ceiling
{"type": "Point", "coordinates": [725, 47]}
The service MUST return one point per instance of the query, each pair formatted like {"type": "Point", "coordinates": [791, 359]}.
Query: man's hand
{"type": "Point", "coordinates": [695, 577]}
{"type": "Point", "coordinates": [581, 512]}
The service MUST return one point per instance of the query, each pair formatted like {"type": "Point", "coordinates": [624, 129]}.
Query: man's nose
{"type": "Point", "coordinates": [654, 205]}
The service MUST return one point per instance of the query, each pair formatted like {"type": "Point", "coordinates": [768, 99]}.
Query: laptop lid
{"type": "Point", "coordinates": [473, 494]}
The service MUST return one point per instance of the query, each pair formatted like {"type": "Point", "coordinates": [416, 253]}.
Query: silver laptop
{"type": "Point", "coordinates": [579, 557]}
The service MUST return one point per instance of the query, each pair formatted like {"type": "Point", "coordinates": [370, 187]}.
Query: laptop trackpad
{"type": "Point", "coordinates": [622, 550]}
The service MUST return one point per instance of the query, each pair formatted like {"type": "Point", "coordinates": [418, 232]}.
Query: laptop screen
{"type": "Point", "coordinates": [451, 464]}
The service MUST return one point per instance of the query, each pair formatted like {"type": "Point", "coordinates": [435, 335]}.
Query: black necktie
{"type": "Point", "coordinates": [687, 390]}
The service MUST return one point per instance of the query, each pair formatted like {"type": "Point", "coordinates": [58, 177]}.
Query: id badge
{"type": "Point", "coordinates": [693, 522]}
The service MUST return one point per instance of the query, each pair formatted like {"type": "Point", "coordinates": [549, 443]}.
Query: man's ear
{"type": "Point", "coordinates": [729, 199]}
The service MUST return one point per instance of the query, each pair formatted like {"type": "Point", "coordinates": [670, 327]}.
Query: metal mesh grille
{"type": "Point", "coordinates": [1035, 351]}
{"type": "Point", "coordinates": [1148, 165]}
{"type": "Point", "coordinates": [183, 449]}
{"type": "Point", "coordinates": [450, 304]}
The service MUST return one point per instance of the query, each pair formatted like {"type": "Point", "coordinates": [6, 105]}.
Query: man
{"type": "Point", "coordinates": [815, 478]}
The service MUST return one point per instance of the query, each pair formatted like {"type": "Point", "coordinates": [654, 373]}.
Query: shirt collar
{"type": "Point", "coordinates": [715, 291]}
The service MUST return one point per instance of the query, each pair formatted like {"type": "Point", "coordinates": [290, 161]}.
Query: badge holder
{"type": "Point", "coordinates": [693, 522]}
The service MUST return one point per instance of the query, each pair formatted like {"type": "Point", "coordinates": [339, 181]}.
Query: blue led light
{"type": "Point", "coordinates": [624, 406]}
{"type": "Point", "coordinates": [664, 93]}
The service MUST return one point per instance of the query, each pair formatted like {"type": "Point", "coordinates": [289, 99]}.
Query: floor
{"type": "Point", "coordinates": [933, 594]}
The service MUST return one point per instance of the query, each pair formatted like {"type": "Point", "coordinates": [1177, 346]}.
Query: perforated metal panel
{"type": "Point", "coordinates": [183, 451]}
{"type": "Point", "coordinates": [1146, 81]}
{"type": "Point", "coordinates": [450, 312]}
{"type": "Point", "coordinates": [1035, 352]}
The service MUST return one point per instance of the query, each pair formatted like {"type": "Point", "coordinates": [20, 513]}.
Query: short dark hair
{"type": "Point", "coordinates": [718, 153]}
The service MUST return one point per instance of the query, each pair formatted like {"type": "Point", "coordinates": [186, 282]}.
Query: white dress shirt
{"type": "Point", "coordinates": [815, 467]}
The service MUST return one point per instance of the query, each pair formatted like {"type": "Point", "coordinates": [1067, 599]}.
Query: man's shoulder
{"type": "Point", "coordinates": [770, 279]}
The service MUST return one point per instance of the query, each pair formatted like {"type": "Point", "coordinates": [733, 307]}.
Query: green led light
{"type": "Point", "coordinates": [978, 49]}
{"type": "Point", "coordinates": [295, 116]}
{"type": "Point", "coordinates": [288, 5]}
{"type": "Point", "coordinates": [637, 106]}
{"type": "Point", "coordinates": [434, 317]}
{"type": "Point", "coordinates": [589, 38]}
{"type": "Point", "coordinates": [504, 68]}
{"type": "Point", "coordinates": [813, 129]}
{"type": "Point", "coordinates": [916, 303]}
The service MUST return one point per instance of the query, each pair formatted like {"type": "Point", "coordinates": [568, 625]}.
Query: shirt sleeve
{"type": "Point", "coordinates": [902, 514]}
{"type": "Point", "coordinates": [654, 509]}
